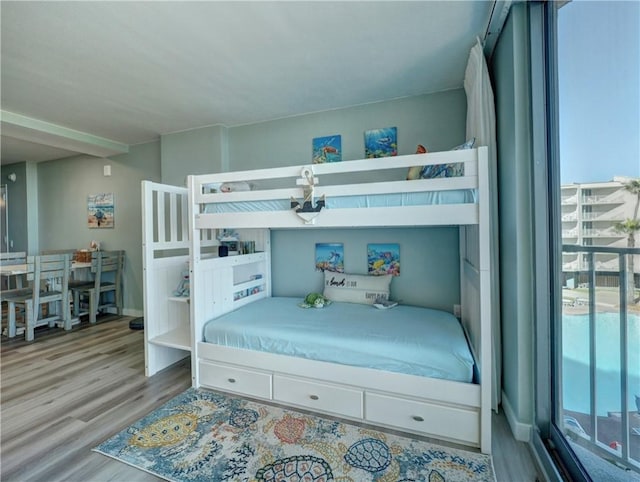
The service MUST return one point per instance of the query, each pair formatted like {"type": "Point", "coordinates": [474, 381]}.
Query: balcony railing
{"type": "Point", "coordinates": [605, 233]}
{"type": "Point", "coordinates": [611, 198]}
{"type": "Point", "coordinates": [601, 216]}
{"type": "Point", "coordinates": [624, 450]}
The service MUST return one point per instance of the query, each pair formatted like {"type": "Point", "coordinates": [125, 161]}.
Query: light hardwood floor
{"type": "Point", "coordinates": [64, 393]}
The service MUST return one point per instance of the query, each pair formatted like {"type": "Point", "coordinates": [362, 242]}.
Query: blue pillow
{"type": "Point", "coordinates": [454, 169]}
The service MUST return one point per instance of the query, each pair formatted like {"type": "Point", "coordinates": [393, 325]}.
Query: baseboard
{"type": "Point", "coordinates": [521, 431]}
{"type": "Point", "coordinates": [130, 312]}
{"type": "Point", "coordinates": [125, 312]}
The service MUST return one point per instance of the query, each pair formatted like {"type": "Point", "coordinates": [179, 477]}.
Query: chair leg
{"type": "Point", "coordinates": [11, 322]}
{"type": "Point", "coordinates": [76, 303]}
{"type": "Point", "coordinates": [66, 313]}
{"type": "Point", "coordinates": [52, 308]}
{"type": "Point", "coordinates": [93, 306]}
{"type": "Point", "coordinates": [30, 321]}
{"type": "Point", "coordinates": [119, 302]}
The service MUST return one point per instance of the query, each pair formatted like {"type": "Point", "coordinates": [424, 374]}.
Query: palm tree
{"type": "Point", "coordinates": [633, 186]}
{"type": "Point", "coordinates": [630, 227]}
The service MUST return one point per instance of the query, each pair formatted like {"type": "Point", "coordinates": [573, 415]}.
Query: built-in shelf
{"type": "Point", "coordinates": [179, 338]}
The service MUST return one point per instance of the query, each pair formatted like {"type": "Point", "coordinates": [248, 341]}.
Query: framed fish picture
{"type": "Point", "coordinates": [327, 149]}
{"type": "Point", "coordinates": [383, 259]}
{"type": "Point", "coordinates": [381, 142]}
{"type": "Point", "coordinates": [330, 257]}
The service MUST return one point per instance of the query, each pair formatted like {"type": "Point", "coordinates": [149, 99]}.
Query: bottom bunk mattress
{"type": "Point", "coordinates": [406, 339]}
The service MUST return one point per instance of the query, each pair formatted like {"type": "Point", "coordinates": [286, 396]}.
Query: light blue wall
{"type": "Point", "coordinates": [63, 187]}
{"type": "Point", "coordinates": [436, 121]}
{"type": "Point", "coordinates": [429, 262]}
{"type": "Point", "coordinates": [511, 73]}
{"type": "Point", "coordinates": [196, 151]}
{"type": "Point", "coordinates": [17, 212]}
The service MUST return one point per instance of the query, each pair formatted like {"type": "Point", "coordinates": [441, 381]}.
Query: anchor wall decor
{"type": "Point", "coordinates": [308, 210]}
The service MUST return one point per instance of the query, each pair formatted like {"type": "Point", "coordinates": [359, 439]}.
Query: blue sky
{"type": "Point", "coordinates": [599, 88]}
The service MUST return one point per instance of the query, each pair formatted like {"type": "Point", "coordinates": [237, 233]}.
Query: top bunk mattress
{"type": "Point", "coordinates": [405, 339]}
{"type": "Point", "coordinates": [455, 196]}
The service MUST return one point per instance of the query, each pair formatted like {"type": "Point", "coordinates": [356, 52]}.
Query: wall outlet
{"type": "Point", "coordinates": [456, 311]}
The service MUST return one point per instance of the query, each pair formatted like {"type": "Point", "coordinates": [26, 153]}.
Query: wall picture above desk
{"type": "Point", "coordinates": [100, 210]}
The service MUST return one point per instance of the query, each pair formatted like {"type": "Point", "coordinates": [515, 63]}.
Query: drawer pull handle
{"type": "Point", "coordinates": [418, 418]}
{"type": "Point", "coordinates": [231, 380]}
{"type": "Point", "coordinates": [313, 397]}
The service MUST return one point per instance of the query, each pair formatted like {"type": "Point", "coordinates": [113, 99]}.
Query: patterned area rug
{"type": "Point", "coordinates": [202, 435]}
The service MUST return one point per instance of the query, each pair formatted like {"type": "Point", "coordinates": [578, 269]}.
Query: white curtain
{"type": "Point", "coordinates": [481, 124]}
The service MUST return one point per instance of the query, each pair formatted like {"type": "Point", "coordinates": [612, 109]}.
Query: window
{"type": "Point", "coordinates": [590, 348]}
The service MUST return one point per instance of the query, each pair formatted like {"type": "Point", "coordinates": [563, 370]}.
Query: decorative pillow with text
{"type": "Point", "coordinates": [356, 288]}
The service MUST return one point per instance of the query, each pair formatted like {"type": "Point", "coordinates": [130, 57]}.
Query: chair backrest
{"type": "Point", "coordinates": [58, 251]}
{"type": "Point", "coordinates": [18, 257]}
{"type": "Point", "coordinates": [104, 262]}
{"type": "Point", "coordinates": [54, 268]}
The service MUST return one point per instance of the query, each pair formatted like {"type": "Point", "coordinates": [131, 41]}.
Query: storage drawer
{"type": "Point", "coordinates": [248, 382]}
{"type": "Point", "coordinates": [318, 396]}
{"type": "Point", "coordinates": [448, 422]}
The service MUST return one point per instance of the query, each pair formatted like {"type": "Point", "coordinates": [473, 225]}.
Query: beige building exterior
{"type": "Point", "coordinates": [589, 213]}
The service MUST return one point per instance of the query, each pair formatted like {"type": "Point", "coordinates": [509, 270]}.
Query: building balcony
{"type": "Point", "coordinates": [609, 232]}
{"type": "Point", "coordinates": [602, 216]}
{"type": "Point", "coordinates": [600, 407]}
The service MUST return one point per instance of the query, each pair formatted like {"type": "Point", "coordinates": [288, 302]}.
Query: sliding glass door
{"type": "Point", "coordinates": [594, 198]}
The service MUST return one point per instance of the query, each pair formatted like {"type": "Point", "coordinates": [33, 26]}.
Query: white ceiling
{"type": "Point", "coordinates": [77, 75]}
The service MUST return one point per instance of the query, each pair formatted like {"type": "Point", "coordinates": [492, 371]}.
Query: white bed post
{"type": "Point", "coordinates": [147, 259]}
{"type": "Point", "coordinates": [485, 265]}
{"type": "Point", "coordinates": [194, 282]}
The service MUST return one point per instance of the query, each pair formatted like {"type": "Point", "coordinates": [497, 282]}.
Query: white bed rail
{"type": "Point", "coordinates": [441, 214]}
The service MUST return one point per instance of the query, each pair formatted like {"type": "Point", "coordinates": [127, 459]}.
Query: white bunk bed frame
{"type": "Point", "coordinates": [165, 257]}
{"type": "Point", "coordinates": [448, 410]}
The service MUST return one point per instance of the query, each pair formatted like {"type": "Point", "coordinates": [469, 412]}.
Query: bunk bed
{"type": "Point", "coordinates": [308, 197]}
{"type": "Point", "coordinates": [187, 285]}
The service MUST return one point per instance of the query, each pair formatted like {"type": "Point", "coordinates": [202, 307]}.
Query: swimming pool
{"type": "Point", "coordinates": [575, 362]}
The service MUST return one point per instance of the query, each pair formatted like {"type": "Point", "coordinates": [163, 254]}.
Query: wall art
{"type": "Point", "coordinates": [100, 210]}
